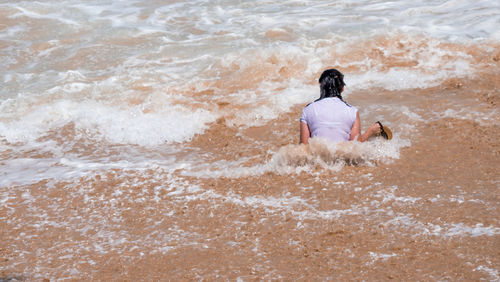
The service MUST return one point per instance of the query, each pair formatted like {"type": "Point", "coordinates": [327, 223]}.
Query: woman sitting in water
{"type": "Point", "coordinates": [330, 117]}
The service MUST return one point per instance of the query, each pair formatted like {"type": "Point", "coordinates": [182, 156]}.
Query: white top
{"type": "Point", "coordinates": [330, 118]}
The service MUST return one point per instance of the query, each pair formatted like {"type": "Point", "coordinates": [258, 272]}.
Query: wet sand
{"type": "Point", "coordinates": [432, 214]}
{"type": "Point", "coordinates": [157, 140]}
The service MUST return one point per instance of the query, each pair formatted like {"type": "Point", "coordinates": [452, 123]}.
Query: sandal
{"type": "Point", "coordinates": [385, 131]}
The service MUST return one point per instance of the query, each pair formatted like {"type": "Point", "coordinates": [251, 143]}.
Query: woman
{"type": "Point", "coordinates": [330, 117]}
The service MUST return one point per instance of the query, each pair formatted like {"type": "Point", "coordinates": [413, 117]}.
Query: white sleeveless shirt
{"type": "Point", "coordinates": [330, 118]}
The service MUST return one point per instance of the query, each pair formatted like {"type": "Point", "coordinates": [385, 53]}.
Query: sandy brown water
{"type": "Point", "coordinates": [157, 140]}
{"type": "Point", "coordinates": [431, 214]}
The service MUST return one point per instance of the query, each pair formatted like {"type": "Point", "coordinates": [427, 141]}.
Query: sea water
{"type": "Point", "coordinates": [124, 89]}
{"type": "Point", "coordinates": [146, 74]}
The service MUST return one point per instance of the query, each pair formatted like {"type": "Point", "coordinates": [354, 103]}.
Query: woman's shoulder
{"type": "Point", "coordinates": [310, 105]}
{"type": "Point", "coordinates": [341, 101]}
{"type": "Point", "coordinates": [329, 102]}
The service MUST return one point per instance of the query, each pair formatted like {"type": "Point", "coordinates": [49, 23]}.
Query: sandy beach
{"type": "Point", "coordinates": [432, 214]}
{"type": "Point", "coordinates": [159, 141]}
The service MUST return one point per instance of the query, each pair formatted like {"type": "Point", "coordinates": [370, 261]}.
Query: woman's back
{"type": "Point", "coordinates": [330, 118]}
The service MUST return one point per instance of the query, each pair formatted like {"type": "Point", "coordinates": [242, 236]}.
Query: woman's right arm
{"type": "Point", "coordinates": [304, 133]}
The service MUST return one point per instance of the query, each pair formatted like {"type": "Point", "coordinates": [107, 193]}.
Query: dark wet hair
{"type": "Point", "coordinates": [331, 83]}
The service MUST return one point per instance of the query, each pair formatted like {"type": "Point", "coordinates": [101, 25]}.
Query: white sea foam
{"type": "Point", "coordinates": [276, 103]}
{"type": "Point", "coordinates": [24, 171]}
{"type": "Point", "coordinates": [444, 230]}
{"type": "Point", "coordinates": [388, 196]}
{"type": "Point", "coordinates": [298, 158]}
{"type": "Point", "coordinates": [460, 229]}
{"type": "Point", "coordinates": [134, 72]}
{"type": "Point", "coordinates": [491, 271]}
{"type": "Point", "coordinates": [376, 256]}
{"type": "Point", "coordinates": [24, 12]}
{"type": "Point", "coordinates": [468, 114]}
{"type": "Point", "coordinates": [122, 126]}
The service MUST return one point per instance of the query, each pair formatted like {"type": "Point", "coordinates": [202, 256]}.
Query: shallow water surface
{"type": "Point", "coordinates": [152, 140]}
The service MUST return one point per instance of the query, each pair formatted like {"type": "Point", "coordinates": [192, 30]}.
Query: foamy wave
{"type": "Point", "coordinates": [317, 155]}
{"type": "Point", "coordinates": [25, 171]}
{"type": "Point", "coordinates": [445, 229]}
{"type": "Point", "coordinates": [333, 156]}
{"type": "Point", "coordinates": [460, 229]}
{"type": "Point", "coordinates": [468, 114]}
{"type": "Point", "coordinates": [403, 79]}
{"type": "Point", "coordinates": [248, 65]}
{"type": "Point", "coordinates": [116, 125]}
{"type": "Point", "coordinates": [493, 273]}
{"type": "Point", "coordinates": [397, 61]}
{"type": "Point", "coordinates": [271, 105]}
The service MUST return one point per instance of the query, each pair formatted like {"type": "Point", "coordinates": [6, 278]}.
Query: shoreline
{"type": "Point", "coordinates": [431, 214]}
